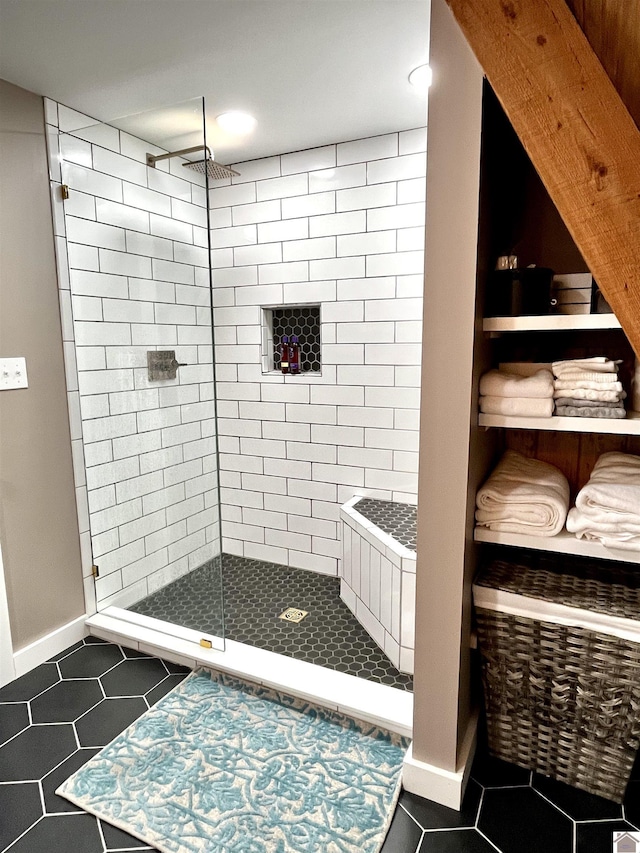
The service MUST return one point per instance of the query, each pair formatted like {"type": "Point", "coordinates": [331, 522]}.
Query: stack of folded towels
{"type": "Point", "coordinates": [588, 388]}
{"type": "Point", "coordinates": [523, 495]}
{"type": "Point", "coordinates": [506, 393]}
{"type": "Point", "coordinates": [607, 509]}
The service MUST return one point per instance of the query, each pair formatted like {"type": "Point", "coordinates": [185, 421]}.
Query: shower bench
{"type": "Point", "coordinates": [378, 573]}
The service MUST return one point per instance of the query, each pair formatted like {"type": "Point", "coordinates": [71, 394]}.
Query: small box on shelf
{"type": "Point", "coordinates": [572, 293]}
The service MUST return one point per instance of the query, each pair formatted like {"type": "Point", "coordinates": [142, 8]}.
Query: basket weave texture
{"type": "Point", "coordinates": [563, 700]}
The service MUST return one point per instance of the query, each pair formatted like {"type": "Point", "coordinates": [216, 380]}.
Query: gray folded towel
{"type": "Point", "coordinates": [588, 404]}
{"type": "Point", "coordinates": [589, 412]}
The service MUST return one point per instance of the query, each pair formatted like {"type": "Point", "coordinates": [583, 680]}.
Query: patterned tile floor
{"type": "Point", "coordinates": [56, 717]}
{"type": "Point", "coordinates": [396, 519]}
{"type": "Point", "coordinates": [255, 594]}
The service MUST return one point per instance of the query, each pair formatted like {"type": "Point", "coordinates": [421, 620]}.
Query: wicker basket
{"type": "Point", "coordinates": [562, 699]}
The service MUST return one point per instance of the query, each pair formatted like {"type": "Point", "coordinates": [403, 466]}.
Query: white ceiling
{"type": "Point", "coordinates": [310, 71]}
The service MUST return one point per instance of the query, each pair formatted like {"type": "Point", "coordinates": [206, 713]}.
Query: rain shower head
{"type": "Point", "coordinates": [206, 166]}
{"type": "Point", "coordinates": [214, 170]}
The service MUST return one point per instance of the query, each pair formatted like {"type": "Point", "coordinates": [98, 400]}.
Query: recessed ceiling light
{"type": "Point", "coordinates": [236, 122]}
{"type": "Point", "coordinates": [421, 78]}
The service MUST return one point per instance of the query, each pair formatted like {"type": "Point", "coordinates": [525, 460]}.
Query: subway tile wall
{"type": "Point", "coordinates": [341, 226]}
{"type": "Point", "coordinates": [133, 275]}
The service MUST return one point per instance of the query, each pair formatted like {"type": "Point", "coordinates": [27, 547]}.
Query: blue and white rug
{"type": "Point", "coordinates": [221, 765]}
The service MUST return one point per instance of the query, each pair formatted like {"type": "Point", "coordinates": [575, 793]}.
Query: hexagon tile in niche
{"type": "Point", "coordinates": [89, 693]}
{"type": "Point", "coordinates": [255, 594]}
{"type": "Point", "coordinates": [303, 321]}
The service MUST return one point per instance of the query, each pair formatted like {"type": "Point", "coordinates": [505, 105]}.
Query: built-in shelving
{"type": "Point", "coordinates": [515, 210]}
{"type": "Point", "coordinates": [551, 323]}
{"type": "Point", "coordinates": [563, 543]}
{"type": "Point", "coordinates": [609, 426]}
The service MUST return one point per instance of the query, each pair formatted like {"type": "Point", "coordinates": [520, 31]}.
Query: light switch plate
{"type": "Point", "coordinates": [13, 373]}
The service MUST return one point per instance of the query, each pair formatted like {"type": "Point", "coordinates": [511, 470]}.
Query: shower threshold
{"type": "Point", "coordinates": [370, 701]}
{"type": "Point", "coordinates": [327, 658]}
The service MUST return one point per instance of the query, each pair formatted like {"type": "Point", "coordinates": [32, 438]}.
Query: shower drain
{"type": "Point", "coordinates": [292, 614]}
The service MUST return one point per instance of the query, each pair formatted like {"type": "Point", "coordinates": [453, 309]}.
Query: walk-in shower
{"type": "Point", "coordinates": [213, 481]}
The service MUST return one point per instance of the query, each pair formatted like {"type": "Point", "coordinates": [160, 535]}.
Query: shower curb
{"type": "Point", "coordinates": [337, 691]}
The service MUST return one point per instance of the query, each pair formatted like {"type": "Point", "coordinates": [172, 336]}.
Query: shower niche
{"type": "Point", "coordinates": [301, 321]}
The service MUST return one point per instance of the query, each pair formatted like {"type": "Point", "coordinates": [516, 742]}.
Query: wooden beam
{"type": "Point", "coordinates": [574, 127]}
{"type": "Point", "coordinates": [613, 30]}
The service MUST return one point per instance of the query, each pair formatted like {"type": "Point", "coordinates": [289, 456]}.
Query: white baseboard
{"type": "Point", "coordinates": [7, 669]}
{"type": "Point", "coordinates": [434, 783]}
{"type": "Point", "coordinates": [57, 641]}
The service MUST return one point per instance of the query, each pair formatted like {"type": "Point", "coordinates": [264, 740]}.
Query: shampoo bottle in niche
{"type": "Point", "coordinates": [294, 355]}
{"type": "Point", "coordinates": [284, 354]}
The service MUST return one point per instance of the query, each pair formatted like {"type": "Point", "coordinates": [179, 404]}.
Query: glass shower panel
{"type": "Point", "coordinates": [136, 220]}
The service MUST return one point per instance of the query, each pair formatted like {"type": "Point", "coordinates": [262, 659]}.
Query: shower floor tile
{"type": "Point", "coordinates": [255, 594]}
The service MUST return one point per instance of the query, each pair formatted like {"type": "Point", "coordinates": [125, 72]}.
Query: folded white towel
{"type": "Point", "coordinates": [587, 376]}
{"type": "Point", "coordinates": [619, 541]}
{"type": "Point", "coordinates": [588, 527]}
{"type": "Point", "coordinates": [608, 508]}
{"type": "Point", "coordinates": [562, 384]}
{"type": "Point", "coordinates": [614, 485]}
{"type": "Point", "coordinates": [590, 394]}
{"type": "Point", "coordinates": [523, 495]}
{"type": "Point", "coordinates": [499, 383]}
{"type": "Point", "coordinates": [517, 407]}
{"type": "Point", "coordinates": [598, 363]}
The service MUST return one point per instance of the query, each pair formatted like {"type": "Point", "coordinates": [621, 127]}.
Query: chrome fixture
{"type": "Point", "coordinates": [216, 171]}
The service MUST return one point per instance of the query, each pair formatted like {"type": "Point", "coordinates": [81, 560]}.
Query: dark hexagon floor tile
{"type": "Point", "coordinates": [133, 653]}
{"type": "Point", "coordinates": [20, 806]}
{"type": "Point", "coordinates": [52, 834]}
{"type": "Point", "coordinates": [133, 677]}
{"type": "Point", "coordinates": [65, 701]}
{"type": "Point", "coordinates": [13, 718]}
{"type": "Point", "coordinates": [255, 593]}
{"type": "Point", "coordinates": [116, 839]}
{"type": "Point", "coordinates": [66, 652]}
{"type": "Point", "coordinates": [493, 772]}
{"type": "Point", "coordinates": [36, 751]}
{"type": "Point", "coordinates": [632, 803]}
{"type": "Point", "coordinates": [580, 805]}
{"type": "Point", "coordinates": [29, 685]}
{"type": "Point", "coordinates": [164, 687]}
{"type": "Point", "coordinates": [52, 802]}
{"type": "Point", "coordinates": [112, 716]}
{"type": "Point", "coordinates": [598, 837]}
{"type": "Point", "coordinates": [90, 661]}
{"type": "Point", "coordinates": [434, 816]}
{"type": "Point", "coordinates": [456, 841]}
{"type": "Point", "coordinates": [404, 834]}
{"type": "Point", "coordinates": [519, 820]}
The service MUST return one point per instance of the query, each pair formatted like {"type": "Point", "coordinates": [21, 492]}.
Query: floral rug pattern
{"type": "Point", "coordinates": [223, 766]}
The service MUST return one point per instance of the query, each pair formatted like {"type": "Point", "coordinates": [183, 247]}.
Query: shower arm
{"type": "Point", "coordinates": [152, 159]}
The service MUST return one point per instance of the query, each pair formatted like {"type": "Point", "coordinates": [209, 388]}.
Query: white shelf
{"type": "Point", "coordinates": [550, 323]}
{"type": "Point", "coordinates": [563, 543]}
{"type": "Point", "coordinates": [624, 426]}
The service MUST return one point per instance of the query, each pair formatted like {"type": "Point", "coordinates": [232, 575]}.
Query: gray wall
{"type": "Point", "coordinates": [450, 466]}
{"type": "Point", "coordinates": [38, 522]}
